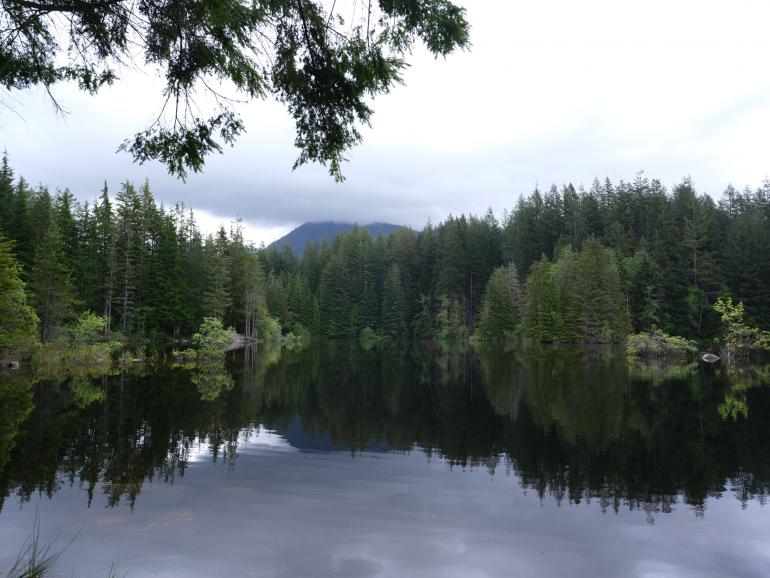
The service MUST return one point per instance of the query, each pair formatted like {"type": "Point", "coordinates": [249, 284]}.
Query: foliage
{"type": "Point", "coordinates": [88, 328]}
{"type": "Point", "coordinates": [16, 401]}
{"type": "Point", "coordinates": [369, 338]}
{"type": "Point", "coordinates": [644, 286]}
{"type": "Point", "coordinates": [658, 345]}
{"type": "Point", "coordinates": [84, 392]}
{"type": "Point", "coordinates": [740, 339]}
{"type": "Point", "coordinates": [299, 334]}
{"type": "Point", "coordinates": [501, 305]}
{"type": "Point", "coordinates": [577, 298]}
{"type": "Point", "coordinates": [660, 371]}
{"type": "Point", "coordinates": [56, 357]}
{"type": "Point", "coordinates": [18, 321]}
{"type": "Point", "coordinates": [211, 380]}
{"type": "Point", "coordinates": [324, 65]}
{"type": "Point", "coordinates": [595, 264]}
{"type": "Point", "coordinates": [50, 285]}
{"type": "Point", "coordinates": [450, 320]}
{"type": "Point", "coordinates": [743, 379]}
{"type": "Point", "coordinates": [393, 305]}
{"type": "Point", "coordinates": [212, 338]}
{"type": "Point", "coordinates": [542, 315]}
{"type": "Point", "coordinates": [271, 329]}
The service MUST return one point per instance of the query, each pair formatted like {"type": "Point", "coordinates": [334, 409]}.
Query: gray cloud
{"type": "Point", "coordinates": [600, 91]}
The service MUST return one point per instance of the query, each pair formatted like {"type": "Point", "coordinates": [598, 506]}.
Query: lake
{"type": "Point", "coordinates": [395, 461]}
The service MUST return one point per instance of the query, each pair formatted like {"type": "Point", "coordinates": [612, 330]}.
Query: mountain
{"type": "Point", "coordinates": [327, 230]}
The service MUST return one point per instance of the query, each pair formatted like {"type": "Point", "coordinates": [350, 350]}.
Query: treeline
{"type": "Point", "coordinates": [146, 268]}
{"type": "Point", "coordinates": [569, 264]}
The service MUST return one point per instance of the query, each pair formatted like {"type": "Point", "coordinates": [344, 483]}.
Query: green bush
{"type": "Point", "coordinates": [271, 329]}
{"type": "Point", "coordinates": [210, 341]}
{"type": "Point", "coordinates": [659, 345]}
{"type": "Point", "coordinates": [740, 338]}
{"type": "Point", "coordinates": [89, 328]}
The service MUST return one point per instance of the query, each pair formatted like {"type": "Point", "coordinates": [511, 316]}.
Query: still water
{"type": "Point", "coordinates": [396, 461]}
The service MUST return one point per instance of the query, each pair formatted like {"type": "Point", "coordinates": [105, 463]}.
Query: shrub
{"type": "Point", "coordinates": [212, 338]}
{"type": "Point", "coordinates": [660, 345]}
{"type": "Point", "coordinates": [88, 329]}
{"type": "Point", "coordinates": [271, 329]}
{"type": "Point", "coordinates": [740, 338]}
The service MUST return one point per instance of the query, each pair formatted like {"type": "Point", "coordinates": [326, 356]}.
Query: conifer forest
{"type": "Point", "coordinates": [568, 264]}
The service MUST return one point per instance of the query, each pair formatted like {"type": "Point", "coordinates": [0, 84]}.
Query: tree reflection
{"type": "Point", "coordinates": [572, 424]}
{"type": "Point", "coordinates": [211, 380]}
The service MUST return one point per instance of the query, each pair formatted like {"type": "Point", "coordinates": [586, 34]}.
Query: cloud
{"type": "Point", "coordinates": [552, 91]}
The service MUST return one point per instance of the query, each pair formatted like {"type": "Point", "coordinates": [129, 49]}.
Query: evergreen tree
{"type": "Point", "coordinates": [51, 283]}
{"type": "Point", "coordinates": [572, 292]}
{"type": "Point", "coordinates": [601, 304]}
{"type": "Point", "coordinates": [104, 253]}
{"type": "Point", "coordinates": [616, 256]}
{"type": "Point", "coordinates": [18, 322]}
{"type": "Point", "coordinates": [542, 309]}
{"type": "Point", "coordinates": [254, 307]}
{"type": "Point", "coordinates": [643, 281]}
{"type": "Point", "coordinates": [128, 248]}
{"type": "Point", "coordinates": [501, 304]}
{"type": "Point", "coordinates": [393, 305]}
{"type": "Point", "coordinates": [424, 325]}
{"type": "Point", "coordinates": [278, 298]}
{"type": "Point", "coordinates": [333, 300]}
{"type": "Point", "coordinates": [217, 298]}
{"type": "Point", "coordinates": [20, 225]}
{"type": "Point", "coordinates": [6, 194]}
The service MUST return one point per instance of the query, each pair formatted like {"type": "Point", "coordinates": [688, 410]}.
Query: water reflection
{"type": "Point", "coordinates": [574, 425]}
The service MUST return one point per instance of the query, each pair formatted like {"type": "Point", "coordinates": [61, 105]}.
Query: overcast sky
{"type": "Point", "coordinates": [551, 91]}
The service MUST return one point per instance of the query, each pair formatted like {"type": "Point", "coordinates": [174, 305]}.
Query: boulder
{"type": "Point", "coordinates": [710, 358]}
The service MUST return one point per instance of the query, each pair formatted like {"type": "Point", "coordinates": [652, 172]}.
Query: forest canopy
{"type": "Point", "coordinates": [324, 60]}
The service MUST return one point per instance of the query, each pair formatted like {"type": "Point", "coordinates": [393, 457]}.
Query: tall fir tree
{"type": "Point", "coordinates": [51, 283]}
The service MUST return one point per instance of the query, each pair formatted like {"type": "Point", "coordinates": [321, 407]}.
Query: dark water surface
{"type": "Point", "coordinates": [335, 461]}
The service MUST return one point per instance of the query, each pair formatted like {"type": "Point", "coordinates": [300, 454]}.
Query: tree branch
{"type": "Point", "coordinates": [77, 6]}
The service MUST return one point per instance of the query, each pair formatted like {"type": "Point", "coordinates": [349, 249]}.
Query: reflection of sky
{"type": "Point", "coordinates": [288, 514]}
{"type": "Point", "coordinates": [251, 441]}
